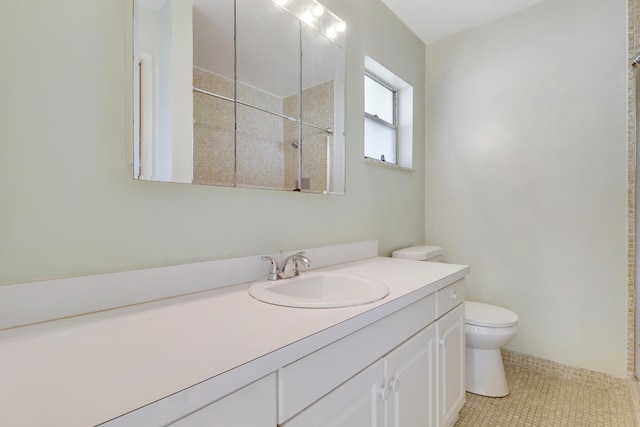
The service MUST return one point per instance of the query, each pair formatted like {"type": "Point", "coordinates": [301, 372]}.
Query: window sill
{"type": "Point", "coordinates": [387, 165]}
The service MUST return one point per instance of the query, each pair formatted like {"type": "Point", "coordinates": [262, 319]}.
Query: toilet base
{"type": "Point", "coordinates": [485, 372]}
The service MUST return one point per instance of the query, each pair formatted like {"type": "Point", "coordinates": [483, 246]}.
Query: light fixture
{"type": "Point", "coordinates": [317, 10]}
{"type": "Point", "coordinates": [316, 16]}
{"type": "Point", "coordinates": [308, 17]}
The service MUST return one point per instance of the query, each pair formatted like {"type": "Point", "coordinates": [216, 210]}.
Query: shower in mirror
{"type": "Point", "coordinates": [244, 93]}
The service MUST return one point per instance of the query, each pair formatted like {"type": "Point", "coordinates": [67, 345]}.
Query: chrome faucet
{"type": "Point", "coordinates": [295, 259]}
{"type": "Point", "coordinates": [281, 272]}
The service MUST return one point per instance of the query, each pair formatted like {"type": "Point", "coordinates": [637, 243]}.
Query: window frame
{"type": "Point", "coordinates": [375, 118]}
{"type": "Point", "coordinates": [404, 116]}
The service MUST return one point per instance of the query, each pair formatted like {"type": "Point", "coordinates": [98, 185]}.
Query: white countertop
{"type": "Point", "coordinates": [89, 369]}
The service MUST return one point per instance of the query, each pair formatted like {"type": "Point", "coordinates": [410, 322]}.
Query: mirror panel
{"type": "Point", "coordinates": [213, 29]}
{"type": "Point", "coordinates": [223, 94]}
{"type": "Point", "coordinates": [213, 73]}
{"type": "Point", "coordinates": [323, 71]}
{"type": "Point", "coordinates": [267, 54]}
{"type": "Point", "coordinates": [163, 100]}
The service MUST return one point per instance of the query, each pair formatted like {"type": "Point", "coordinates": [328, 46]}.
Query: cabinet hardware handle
{"type": "Point", "coordinates": [394, 384]}
{"type": "Point", "coordinates": [454, 296]}
{"type": "Point", "coordinates": [443, 342]}
{"type": "Point", "coordinates": [384, 392]}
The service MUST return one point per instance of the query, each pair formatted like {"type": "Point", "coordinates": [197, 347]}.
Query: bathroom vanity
{"type": "Point", "coordinates": [405, 368]}
{"type": "Point", "coordinates": [221, 358]}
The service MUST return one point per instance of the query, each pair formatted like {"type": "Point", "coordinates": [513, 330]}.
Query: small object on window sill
{"type": "Point", "coordinates": [382, 158]}
{"type": "Point", "coordinates": [390, 165]}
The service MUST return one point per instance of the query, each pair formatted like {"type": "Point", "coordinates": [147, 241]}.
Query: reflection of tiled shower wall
{"type": "Point", "coordinates": [318, 109]}
{"type": "Point", "coordinates": [265, 157]}
{"type": "Point", "coordinates": [260, 161]}
{"type": "Point", "coordinates": [213, 130]}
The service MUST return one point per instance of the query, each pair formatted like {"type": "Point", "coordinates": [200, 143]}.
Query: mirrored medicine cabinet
{"type": "Point", "coordinates": [240, 93]}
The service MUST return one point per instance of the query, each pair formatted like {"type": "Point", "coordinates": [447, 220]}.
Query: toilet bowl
{"type": "Point", "coordinates": [487, 329]}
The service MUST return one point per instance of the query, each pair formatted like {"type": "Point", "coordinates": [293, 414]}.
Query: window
{"type": "Point", "coordinates": [380, 112]}
{"type": "Point", "coordinates": [388, 117]}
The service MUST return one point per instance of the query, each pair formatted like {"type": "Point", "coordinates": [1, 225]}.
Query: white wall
{"type": "Point", "coordinates": [68, 203]}
{"type": "Point", "coordinates": [527, 173]}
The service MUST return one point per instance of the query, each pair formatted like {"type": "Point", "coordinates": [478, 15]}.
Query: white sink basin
{"type": "Point", "coordinates": [319, 290]}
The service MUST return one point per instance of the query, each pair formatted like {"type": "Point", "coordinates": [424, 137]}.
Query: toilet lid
{"type": "Point", "coordinates": [479, 314]}
{"type": "Point", "coordinates": [418, 253]}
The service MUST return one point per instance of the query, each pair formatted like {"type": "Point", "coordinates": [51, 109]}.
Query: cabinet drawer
{"type": "Point", "coordinates": [306, 380]}
{"type": "Point", "coordinates": [450, 297]}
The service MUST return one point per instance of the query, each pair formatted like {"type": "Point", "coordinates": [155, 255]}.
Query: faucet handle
{"type": "Point", "coordinates": [273, 273]}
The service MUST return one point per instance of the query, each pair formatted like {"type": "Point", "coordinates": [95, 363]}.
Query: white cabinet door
{"type": "Point", "coordinates": [308, 379]}
{"type": "Point", "coordinates": [356, 403]}
{"type": "Point", "coordinates": [420, 383]}
{"type": "Point", "coordinates": [411, 378]}
{"type": "Point", "coordinates": [251, 406]}
{"type": "Point", "coordinates": [451, 366]}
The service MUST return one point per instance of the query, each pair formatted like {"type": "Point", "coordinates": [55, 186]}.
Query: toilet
{"type": "Point", "coordinates": [487, 329]}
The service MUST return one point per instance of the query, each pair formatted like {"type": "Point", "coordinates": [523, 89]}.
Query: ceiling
{"type": "Point", "coordinates": [432, 20]}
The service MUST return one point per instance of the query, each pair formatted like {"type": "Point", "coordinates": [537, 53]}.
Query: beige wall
{"type": "Point", "coordinates": [527, 173]}
{"type": "Point", "coordinates": [69, 203]}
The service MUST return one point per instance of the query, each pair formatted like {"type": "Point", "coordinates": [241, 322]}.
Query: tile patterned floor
{"type": "Point", "coordinates": [540, 400]}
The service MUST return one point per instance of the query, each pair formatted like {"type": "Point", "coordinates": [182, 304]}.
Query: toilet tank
{"type": "Point", "coordinates": [420, 253]}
